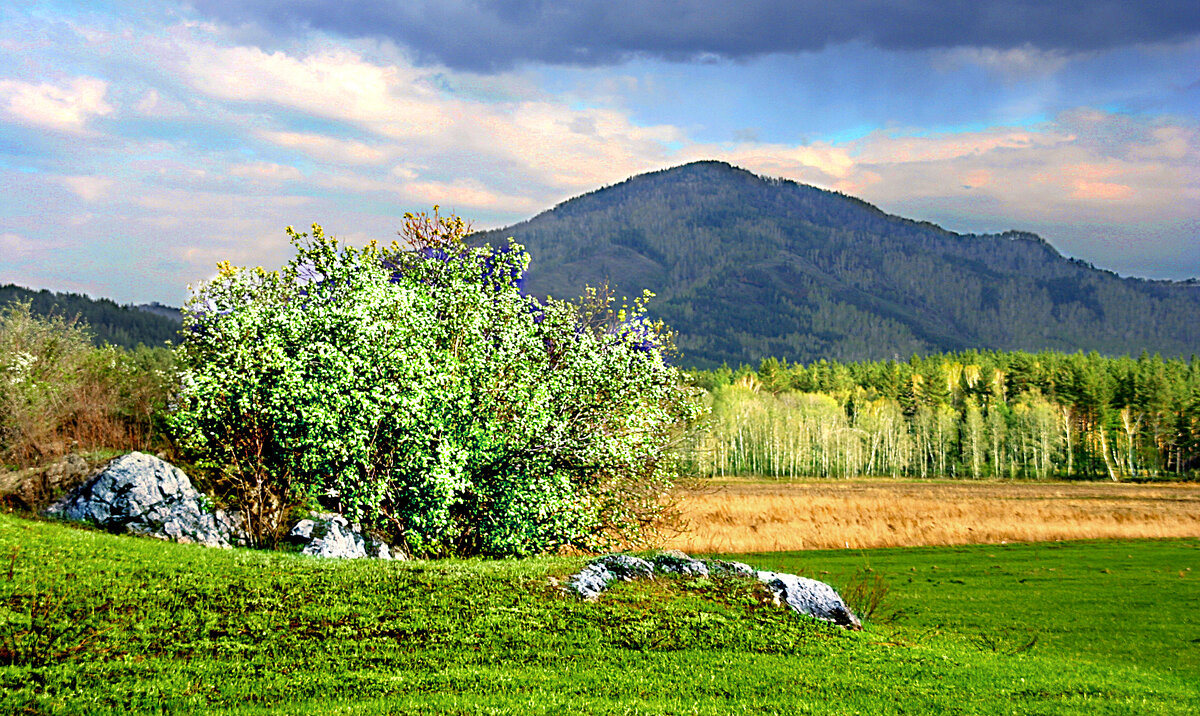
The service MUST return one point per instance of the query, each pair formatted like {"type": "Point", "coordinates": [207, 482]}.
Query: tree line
{"type": "Point", "coordinates": [107, 323]}
{"type": "Point", "coordinates": [971, 414]}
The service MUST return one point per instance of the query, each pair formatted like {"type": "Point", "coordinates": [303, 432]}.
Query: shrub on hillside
{"type": "Point", "coordinates": [418, 390]}
{"type": "Point", "coordinates": [58, 393]}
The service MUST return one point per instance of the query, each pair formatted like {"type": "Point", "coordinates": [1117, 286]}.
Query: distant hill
{"type": "Point", "coordinates": [124, 326]}
{"type": "Point", "coordinates": [747, 267]}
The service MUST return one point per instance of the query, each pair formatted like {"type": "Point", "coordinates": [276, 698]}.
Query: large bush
{"type": "Point", "coordinates": [418, 390]}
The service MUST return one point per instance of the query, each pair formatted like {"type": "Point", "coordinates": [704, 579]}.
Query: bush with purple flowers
{"type": "Point", "coordinates": [418, 390]}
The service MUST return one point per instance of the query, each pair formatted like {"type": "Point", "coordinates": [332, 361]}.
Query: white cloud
{"type": "Point", "coordinates": [399, 101]}
{"type": "Point", "coordinates": [266, 172]}
{"type": "Point", "coordinates": [1012, 65]}
{"type": "Point", "coordinates": [415, 113]}
{"type": "Point", "coordinates": [326, 149]}
{"type": "Point", "coordinates": [50, 106]}
{"type": "Point", "coordinates": [466, 193]}
{"type": "Point", "coordinates": [16, 245]}
{"type": "Point", "coordinates": [88, 188]}
{"type": "Point", "coordinates": [156, 105]}
{"type": "Point", "coordinates": [1171, 144]}
{"type": "Point", "coordinates": [403, 188]}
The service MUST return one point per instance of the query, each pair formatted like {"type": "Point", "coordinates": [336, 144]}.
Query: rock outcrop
{"type": "Point", "coordinates": [331, 535]}
{"type": "Point", "coordinates": [602, 572]}
{"type": "Point", "coordinates": [811, 597]}
{"type": "Point", "coordinates": [803, 595]}
{"type": "Point", "coordinates": [33, 488]}
{"type": "Point", "coordinates": [676, 562]}
{"type": "Point", "coordinates": [141, 494]}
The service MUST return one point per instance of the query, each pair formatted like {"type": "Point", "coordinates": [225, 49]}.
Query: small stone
{"type": "Point", "coordinates": [302, 531]}
{"type": "Point", "coordinates": [811, 597]}
{"type": "Point", "coordinates": [720, 567]}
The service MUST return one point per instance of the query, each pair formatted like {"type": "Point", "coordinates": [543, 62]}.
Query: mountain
{"type": "Point", "coordinates": [124, 326]}
{"type": "Point", "coordinates": [746, 267]}
{"type": "Point", "coordinates": [171, 312]}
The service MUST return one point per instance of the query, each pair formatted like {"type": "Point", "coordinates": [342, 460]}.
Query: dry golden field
{"type": "Point", "coordinates": [758, 516]}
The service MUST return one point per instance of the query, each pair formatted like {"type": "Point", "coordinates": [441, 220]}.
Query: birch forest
{"type": "Point", "coordinates": [971, 415]}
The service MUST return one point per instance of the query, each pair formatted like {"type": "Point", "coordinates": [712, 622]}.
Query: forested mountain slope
{"type": "Point", "coordinates": [747, 267]}
{"type": "Point", "coordinates": [124, 326]}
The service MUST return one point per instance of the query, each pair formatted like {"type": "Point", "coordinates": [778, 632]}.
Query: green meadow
{"type": "Point", "coordinates": [98, 623]}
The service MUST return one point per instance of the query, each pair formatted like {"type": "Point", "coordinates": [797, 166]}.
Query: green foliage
{"type": "Point", "coordinates": [58, 393]}
{"type": "Point", "coordinates": [419, 391]}
{"type": "Point", "coordinates": [185, 629]}
{"type": "Point", "coordinates": [748, 267]}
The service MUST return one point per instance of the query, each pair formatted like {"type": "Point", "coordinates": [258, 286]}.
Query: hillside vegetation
{"type": "Point", "coordinates": [96, 623]}
{"type": "Point", "coordinates": [747, 267]}
{"type": "Point", "coordinates": [61, 393]}
{"type": "Point", "coordinates": [108, 323]}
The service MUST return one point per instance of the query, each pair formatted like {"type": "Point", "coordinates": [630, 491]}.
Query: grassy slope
{"type": "Point", "coordinates": [236, 631]}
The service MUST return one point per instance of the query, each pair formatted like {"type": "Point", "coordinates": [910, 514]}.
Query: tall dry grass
{"type": "Point", "coordinates": [747, 516]}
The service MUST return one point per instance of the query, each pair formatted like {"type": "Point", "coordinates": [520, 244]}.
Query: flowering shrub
{"type": "Point", "coordinates": [418, 390]}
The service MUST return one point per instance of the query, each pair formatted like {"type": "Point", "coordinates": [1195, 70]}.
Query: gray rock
{"type": "Point", "coordinates": [808, 596]}
{"type": "Point", "coordinates": [600, 573]}
{"type": "Point", "coordinates": [141, 494]}
{"type": "Point", "coordinates": [34, 488]}
{"type": "Point", "coordinates": [721, 568]}
{"type": "Point", "coordinates": [331, 535]}
{"type": "Point", "coordinates": [676, 562]}
{"type": "Point", "coordinates": [67, 471]}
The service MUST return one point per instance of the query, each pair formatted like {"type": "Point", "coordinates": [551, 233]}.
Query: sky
{"type": "Point", "coordinates": [143, 141]}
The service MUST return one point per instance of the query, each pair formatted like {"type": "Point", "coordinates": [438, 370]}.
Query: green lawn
{"type": "Point", "coordinates": [1107, 602]}
{"type": "Point", "coordinates": [93, 623]}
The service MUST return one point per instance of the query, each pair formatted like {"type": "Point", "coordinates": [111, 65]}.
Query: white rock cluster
{"type": "Point", "coordinates": [803, 595]}
{"type": "Point", "coordinates": [142, 494]}
{"type": "Point", "coordinates": [331, 535]}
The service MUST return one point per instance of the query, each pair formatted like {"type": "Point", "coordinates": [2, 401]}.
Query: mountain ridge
{"type": "Point", "coordinates": [126, 326]}
{"type": "Point", "coordinates": [747, 267]}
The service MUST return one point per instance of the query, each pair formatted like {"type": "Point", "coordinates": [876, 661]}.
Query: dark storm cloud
{"type": "Point", "coordinates": [494, 34]}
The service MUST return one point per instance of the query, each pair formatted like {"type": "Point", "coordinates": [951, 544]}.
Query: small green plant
{"type": "Point", "coordinates": [866, 593]}
{"type": "Point", "coordinates": [417, 389]}
{"type": "Point", "coordinates": [1008, 641]}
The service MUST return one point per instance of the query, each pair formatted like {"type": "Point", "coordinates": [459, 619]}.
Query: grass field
{"type": "Point", "coordinates": [762, 516]}
{"type": "Point", "coordinates": [96, 623]}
